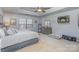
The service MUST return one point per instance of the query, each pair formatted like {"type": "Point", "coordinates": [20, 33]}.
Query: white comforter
{"type": "Point", "coordinates": [18, 38]}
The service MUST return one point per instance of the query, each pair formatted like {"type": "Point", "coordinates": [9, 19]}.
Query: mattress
{"type": "Point", "coordinates": [18, 38]}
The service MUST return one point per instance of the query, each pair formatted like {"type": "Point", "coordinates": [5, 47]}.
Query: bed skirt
{"type": "Point", "coordinates": [18, 46]}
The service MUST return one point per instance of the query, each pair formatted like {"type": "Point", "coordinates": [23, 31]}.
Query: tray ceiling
{"type": "Point", "coordinates": [31, 10]}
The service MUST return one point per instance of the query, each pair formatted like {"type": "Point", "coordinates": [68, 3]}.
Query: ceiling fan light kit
{"type": "Point", "coordinates": [39, 9]}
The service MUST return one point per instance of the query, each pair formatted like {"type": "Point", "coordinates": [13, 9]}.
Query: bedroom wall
{"type": "Point", "coordinates": [8, 16]}
{"type": "Point", "coordinates": [1, 12]}
{"type": "Point", "coordinates": [71, 28]}
{"type": "Point", "coordinates": [1, 17]}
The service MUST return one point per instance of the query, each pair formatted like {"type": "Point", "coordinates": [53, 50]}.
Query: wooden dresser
{"type": "Point", "coordinates": [47, 30]}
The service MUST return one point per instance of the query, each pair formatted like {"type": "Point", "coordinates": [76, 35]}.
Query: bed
{"type": "Point", "coordinates": [19, 40]}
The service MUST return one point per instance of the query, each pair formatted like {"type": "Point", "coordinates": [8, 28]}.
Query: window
{"type": "Point", "coordinates": [25, 23]}
{"type": "Point", "coordinates": [47, 24]}
{"type": "Point", "coordinates": [22, 21]}
{"type": "Point", "coordinates": [29, 23]}
{"type": "Point", "coordinates": [22, 24]}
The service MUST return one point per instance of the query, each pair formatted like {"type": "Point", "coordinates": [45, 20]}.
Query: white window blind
{"type": "Point", "coordinates": [29, 21]}
{"type": "Point", "coordinates": [22, 21]}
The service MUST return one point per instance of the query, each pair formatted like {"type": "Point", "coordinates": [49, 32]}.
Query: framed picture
{"type": "Point", "coordinates": [63, 19]}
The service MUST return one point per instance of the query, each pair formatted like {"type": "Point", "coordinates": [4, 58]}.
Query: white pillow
{"type": "Point", "coordinates": [14, 30]}
{"type": "Point", "coordinates": [11, 31]}
{"type": "Point", "coordinates": [2, 33]}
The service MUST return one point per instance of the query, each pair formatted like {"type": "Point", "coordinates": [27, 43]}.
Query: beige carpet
{"type": "Point", "coordinates": [47, 44]}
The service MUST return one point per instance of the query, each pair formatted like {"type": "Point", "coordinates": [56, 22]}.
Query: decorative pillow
{"type": "Point", "coordinates": [11, 31]}
{"type": "Point", "coordinates": [2, 33]}
{"type": "Point", "coordinates": [14, 30]}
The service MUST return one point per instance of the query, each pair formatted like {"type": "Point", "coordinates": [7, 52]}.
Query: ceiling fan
{"type": "Point", "coordinates": [39, 9]}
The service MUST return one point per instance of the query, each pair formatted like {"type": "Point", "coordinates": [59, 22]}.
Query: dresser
{"type": "Point", "coordinates": [47, 30]}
